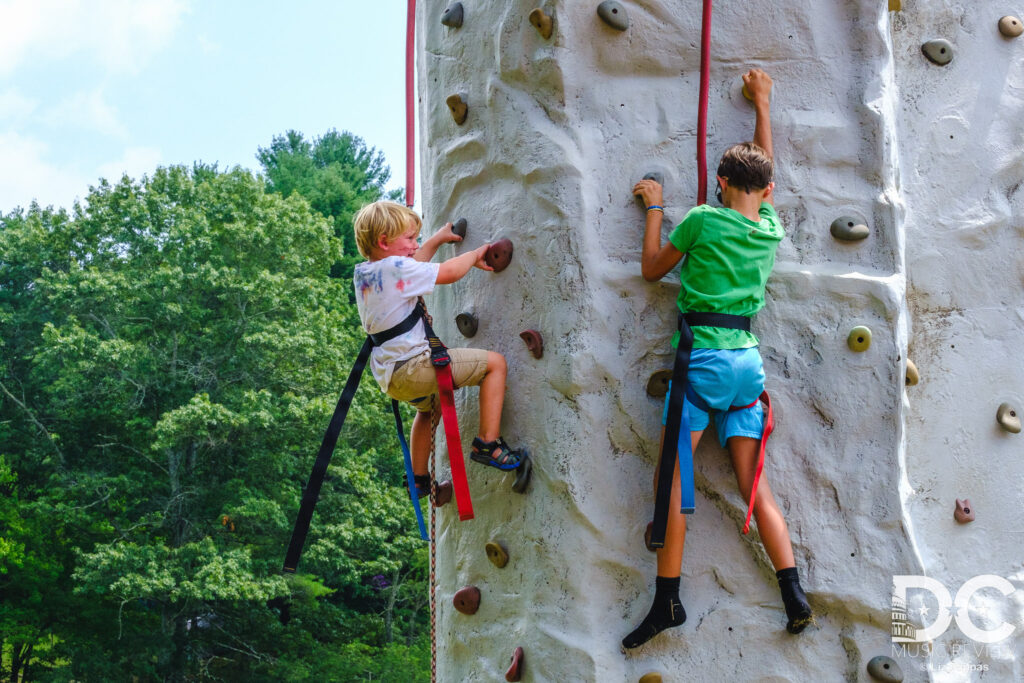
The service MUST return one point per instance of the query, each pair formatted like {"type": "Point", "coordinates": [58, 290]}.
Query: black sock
{"type": "Point", "coordinates": [797, 608]}
{"type": "Point", "coordinates": [666, 612]}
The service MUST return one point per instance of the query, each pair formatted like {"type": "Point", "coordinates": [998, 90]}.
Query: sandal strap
{"type": "Point", "coordinates": [487, 448]}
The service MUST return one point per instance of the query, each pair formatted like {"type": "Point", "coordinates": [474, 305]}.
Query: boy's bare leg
{"type": "Point", "coordinates": [492, 397]}
{"type": "Point", "coordinates": [419, 442]}
{"type": "Point", "coordinates": [667, 610]}
{"type": "Point", "coordinates": [773, 531]}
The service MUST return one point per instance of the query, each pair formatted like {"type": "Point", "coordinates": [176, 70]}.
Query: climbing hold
{"type": "Point", "coordinates": [452, 16]}
{"type": "Point", "coordinates": [534, 342]}
{"type": "Point", "coordinates": [499, 254]}
{"type": "Point", "coordinates": [938, 51]}
{"type": "Point", "coordinates": [515, 669]}
{"type": "Point", "coordinates": [1008, 418]}
{"type": "Point", "coordinates": [849, 229]}
{"type": "Point", "coordinates": [657, 385]}
{"type": "Point", "coordinates": [613, 14]}
{"type": "Point", "coordinates": [459, 227]}
{"type": "Point", "coordinates": [859, 339]}
{"type": "Point", "coordinates": [657, 177]}
{"type": "Point", "coordinates": [647, 537]}
{"type": "Point", "coordinates": [963, 512]}
{"type": "Point", "coordinates": [441, 493]}
{"type": "Point", "coordinates": [523, 474]}
{"type": "Point", "coordinates": [746, 92]}
{"type": "Point", "coordinates": [886, 669]}
{"type": "Point", "coordinates": [467, 600]}
{"type": "Point", "coordinates": [458, 107]}
{"type": "Point", "coordinates": [497, 554]}
{"type": "Point", "coordinates": [912, 375]}
{"type": "Point", "coordinates": [1010, 26]}
{"type": "Point", "coordinates": [895, 5]}
{"type": "Point", "coordinates": [541, 21]}
{"type": "Point", "coordinates": [467, 324]}
{"type": "Point", "coordinates": [652, 677]}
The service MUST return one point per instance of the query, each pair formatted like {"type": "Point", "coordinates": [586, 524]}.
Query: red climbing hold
{"type": "Point", "coordinates": [467, 600]}
{"type": "Point", "coordinates": [534, 342]}
{"type": "Point", "coordinates": [499, 254]}
{"type": "Point", "coordinates": [515, 670]}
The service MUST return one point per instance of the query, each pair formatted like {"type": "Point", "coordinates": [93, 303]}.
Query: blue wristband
{"type": "Point", "coordinates": [655, 207]}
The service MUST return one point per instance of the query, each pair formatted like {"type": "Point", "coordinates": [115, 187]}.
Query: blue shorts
{"type": "Point", "coordinates": [726, 378]}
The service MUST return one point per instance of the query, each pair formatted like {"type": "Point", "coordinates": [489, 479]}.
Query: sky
{"type": "Point", "coordinates": [100, 88]}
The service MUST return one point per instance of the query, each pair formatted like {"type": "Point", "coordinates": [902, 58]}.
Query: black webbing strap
{"type": "Point", "coordinates": [311, 493]}
{"type": "Point", "coordinates": [670, 444]}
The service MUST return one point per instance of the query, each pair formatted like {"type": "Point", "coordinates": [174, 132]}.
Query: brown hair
{"type": "Point", "coordinates": [747, 166]}
{"type": "Point", "coordinates": [382, 219]}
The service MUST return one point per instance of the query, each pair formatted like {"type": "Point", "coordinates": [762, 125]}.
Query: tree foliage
{"type": "Point", "coordinates": [171, 352]}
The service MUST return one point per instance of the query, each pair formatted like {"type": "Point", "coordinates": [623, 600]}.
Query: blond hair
{"type": "Point", "coordinates": [382, 219]}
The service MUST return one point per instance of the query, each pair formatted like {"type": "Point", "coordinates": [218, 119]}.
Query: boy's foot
{"type": "Point", "coordinates": [666, 612]}
{"type": "Point", "coordinates": [496, 454]}
{"type": "Point", "coordinates": [798, 610]}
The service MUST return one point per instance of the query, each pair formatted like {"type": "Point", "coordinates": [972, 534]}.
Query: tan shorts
{"type": "Point", "coordinates": [415, 381]}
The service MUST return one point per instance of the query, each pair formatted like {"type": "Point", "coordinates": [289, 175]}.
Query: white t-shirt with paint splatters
{"type": "Point", "coordinates": [386, 293]}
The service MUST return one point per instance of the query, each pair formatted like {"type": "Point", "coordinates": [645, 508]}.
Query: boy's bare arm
{"type": "Point", "coordinates": [455, 268]}
{"type": "Point", "coordinates": [429, 248]}
{"type": "Point", "coordinates": [655, 259]}
{"type": "Point", "coordinates": [759, 85]}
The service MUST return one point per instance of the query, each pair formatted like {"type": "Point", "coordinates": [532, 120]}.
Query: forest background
{"type": "Point", "coordinates": [171, 350]}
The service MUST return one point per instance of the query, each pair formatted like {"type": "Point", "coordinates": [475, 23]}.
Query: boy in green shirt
{"type": "Point", "coordinates": [730, 253]}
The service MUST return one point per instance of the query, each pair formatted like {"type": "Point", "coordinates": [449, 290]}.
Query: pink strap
{"type": "Point", "coordinates": [769, 425]}
{"type": "Point", "coordinates": [446, 391]}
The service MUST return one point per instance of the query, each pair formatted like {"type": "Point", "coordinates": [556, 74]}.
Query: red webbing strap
{"type": "Point", "coordinates": [702, 107]}
{"type": "Point", "coordinates": [410, 105]}
{"type": "Point", "coordinates": [769, 425]}
{"type": "Point", "coordinates": [446, 391]}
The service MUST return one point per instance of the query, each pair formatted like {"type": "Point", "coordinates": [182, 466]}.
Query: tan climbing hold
{"type": "Point", "coordinates": [613, 14]}
{"type": "Point", "coordinates": [895, 5]}
{"type": "Point", "coordinates": [1008, 418]}
{"type": "Point", "coordinates": [859, 339]}
{"type": "Point", "coordinates": [657, 385]}
{"type": "Point", "coordinates": [963, 512]}
{"type": "Point", "coordinates": [652, 677]}
{"type": "Point", "coordinates": [849, 228]}
{"type": "Point", "coordinates": [541, 21]}
{"type": "Point", "coordinates": [458, 108]}
{"type": "Point", "coordinates": [938, 51]}
{"type": "Point", "coordinates": [913, 377]}
{"type": "Point", "coordinates": [497, 554]}
{"type": "Point", "coordinates": [1010, 27]}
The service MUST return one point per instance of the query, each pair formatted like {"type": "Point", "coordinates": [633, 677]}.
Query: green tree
{"type": "Point", "coordinates": [336, 173]}
{"type": "Point", "coordinates": [171, 353]}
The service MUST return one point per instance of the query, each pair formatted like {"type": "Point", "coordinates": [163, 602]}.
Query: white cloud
{"type": "Point", "coordinates": [120, 34]}
{"type": "Point", "coordinates": [134, 161]}
{"type": "Point", "coordinates": [26, 175]}
{"type": "Point", "coordinates": [88, 110]}
{"type": "Point", "coordinates": [15, 107]}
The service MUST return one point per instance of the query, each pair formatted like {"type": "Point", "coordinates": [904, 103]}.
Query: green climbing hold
{"type": "Point", "coordinates": [613, 14]}
{"type": "Point", "coordinates": [452, 17]}
{"type": "Point", "coordinates": [1010, 26]}
{"type": "Point", "coordinates": [1008, 418]}
{"type": "Point", "coordinates": [859, 339]}
{"type": "Point", "coordinates": [849, 229]}
{"type": "Point", "coordinates": [938, 51]}
{"type": "Point", "coordinates": [885, 669]}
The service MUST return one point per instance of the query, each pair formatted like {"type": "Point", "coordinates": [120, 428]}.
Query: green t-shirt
{"type": "Point", "coordinates": [728, 260]}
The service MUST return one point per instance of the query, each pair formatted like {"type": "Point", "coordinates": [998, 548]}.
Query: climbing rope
{"type": "Point", "coordinates": [702, 111]}
{"type": "Point", "coordinates": [410, 104]}
{"type": "Point", "coordinates": [433, 548]}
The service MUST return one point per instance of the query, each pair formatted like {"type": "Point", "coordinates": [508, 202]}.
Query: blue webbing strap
{"type": "Point", "coordinates": [410, 478]}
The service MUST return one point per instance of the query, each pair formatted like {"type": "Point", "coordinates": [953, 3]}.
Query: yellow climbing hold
{"type": "Point", "coordinates": [458, 108]}
{"type": "Point", "coordinates": [859, 339]}
{"type": "Point", "coordinates": [541, 21]}
{"type": "Point", "coordinates": [746, 93]}
{"type": "Point", "coordinates": [895, 5]}
{"type": "Point", "coordinates": [653, 677]}
{"type": "Point", "coordinates": [913, 377]}
{"type": "Point", "coordinates": [497, 554]}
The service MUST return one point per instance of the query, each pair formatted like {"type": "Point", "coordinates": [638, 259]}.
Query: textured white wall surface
{"type": "Point", "coordinates": [865, 469]}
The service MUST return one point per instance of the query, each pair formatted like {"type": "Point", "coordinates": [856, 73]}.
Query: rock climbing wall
{"type": "Point", "coordinates": [928, 160]}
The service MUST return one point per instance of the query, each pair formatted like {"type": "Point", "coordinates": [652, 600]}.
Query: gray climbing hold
{"type": "Point", "coordinates": [963, 512]}
{"type": "Point", "coordinates": [1010, 26]}
{"type": "Point", "coordinates": [467, 324]}
{"type": "Point", "coordinates": [613, 14]}
{"type": "Point", "coordinates": [452, 16]}
{"type": "Point", "coordinates": [656, 176]}
{"type": "Point", "coordinates": [542, 21]}
{"type": "Point", "coordinates": [859, 339]}
{"type": "Point", "coordinates": [849, 229]}
{"type": "Point", "coordinates": [913, 377]}
{"type": "Point", "coordinates": [459, 227]}
{"type": "Point", "coordinates": [938, 51]}
{"type": "Point", "coordinates": [458, 107]}
{"type": "Point", "coordinates": [886, 669]}
{"type": "Point", "coordinates": [1008, 418]}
